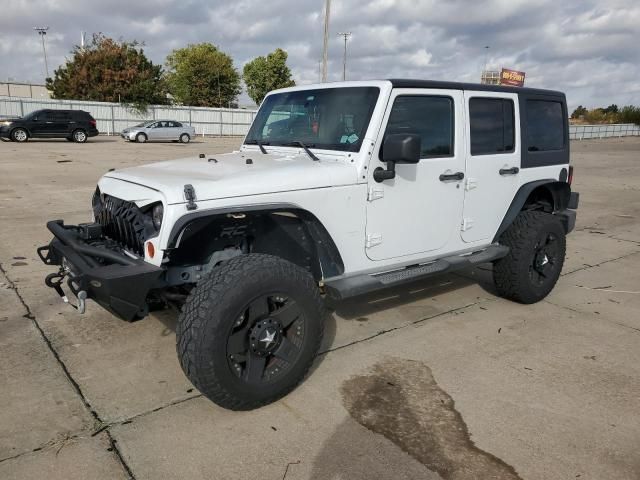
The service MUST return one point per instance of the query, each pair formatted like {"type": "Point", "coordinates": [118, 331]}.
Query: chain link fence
{"type": "Point", "coordinates": [112, 118]}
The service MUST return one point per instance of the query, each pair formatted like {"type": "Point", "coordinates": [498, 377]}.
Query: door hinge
{"type": "Point", "coordinates": [470, 183]}
{"type": "Point", "coordinates": [373, 239]}
{"type": "Point", "coordinates": [467, 223]}
{"type": "Point", "coordinates": [374, 194]}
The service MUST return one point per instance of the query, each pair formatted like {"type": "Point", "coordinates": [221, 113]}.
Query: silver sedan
{"type": "Point", "coordinates": [159, 131]}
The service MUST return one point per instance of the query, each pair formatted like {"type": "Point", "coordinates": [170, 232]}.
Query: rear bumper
{"type": "Point", "coordinates": [568, 215]}
{"type": "Point", "coordinates": [92, 132]}
{"type": "Point", "coordinates": [117, 282]}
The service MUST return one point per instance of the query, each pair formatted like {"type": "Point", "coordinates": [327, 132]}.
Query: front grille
{"type": "Point", "coordinates": [122, 222]}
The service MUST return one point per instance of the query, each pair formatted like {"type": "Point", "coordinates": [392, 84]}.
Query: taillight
{"type": "Point", "coordinates": [570, 177]}
{"type": "Point", "coordinates": [92, 122]}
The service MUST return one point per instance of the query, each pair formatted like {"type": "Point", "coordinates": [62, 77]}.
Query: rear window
{"type": "Point", "coordinates": [491, 126]}
{"type": "Point", "coordinates": [545, 125]}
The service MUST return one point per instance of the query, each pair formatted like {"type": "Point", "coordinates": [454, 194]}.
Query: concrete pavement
{"type": "Point", "coordinates": [439, 380]}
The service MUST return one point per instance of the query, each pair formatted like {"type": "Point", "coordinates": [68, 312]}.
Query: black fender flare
{"type": "Point", "coordinates": [328, 255]}
{"type": "Point", "coordinates": [559, 191]}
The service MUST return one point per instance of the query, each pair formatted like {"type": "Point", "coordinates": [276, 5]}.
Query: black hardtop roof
{"type": "Point", "coordinates": [409, 83]}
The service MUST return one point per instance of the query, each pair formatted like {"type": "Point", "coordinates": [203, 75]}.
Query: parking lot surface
{"type": "Point", "coordinates": [438, 380]}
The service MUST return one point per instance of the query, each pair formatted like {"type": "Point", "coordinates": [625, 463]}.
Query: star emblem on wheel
{"type": "Point", "coordinates": [268, 338]}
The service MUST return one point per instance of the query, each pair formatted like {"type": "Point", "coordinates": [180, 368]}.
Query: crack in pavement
{"type": "Point", "coordinates": [602, 317]}
{"type": "Point", "coordinates": [415, 322]}
{"type": "Point", "coordinates": [30, 315]}
{"type": "Point", "coordinates": [587, 266]}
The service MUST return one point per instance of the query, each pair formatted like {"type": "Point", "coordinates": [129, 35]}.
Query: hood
{"type": "Point", "coordinates": [16, 119]}
{"type": "Point", "coordinates": [229, 175]}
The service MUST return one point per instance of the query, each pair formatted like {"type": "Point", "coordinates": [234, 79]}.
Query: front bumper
{"type": "Point", "coordinates": [114, 280]}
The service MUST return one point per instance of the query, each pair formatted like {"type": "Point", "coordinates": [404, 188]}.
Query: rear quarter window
{"type": "Point", "coordinates": [545, 126]}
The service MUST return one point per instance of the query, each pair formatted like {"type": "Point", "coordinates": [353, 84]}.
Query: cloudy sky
{"type": "Point", "coordinates": [587, 48]}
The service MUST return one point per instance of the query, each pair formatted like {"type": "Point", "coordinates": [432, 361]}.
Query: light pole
{"type": "Point", "coordinates": [486, 56]}
{"type": "Point", "coordinates": [325, 43]}
{"type": "Point", "coordinates": [346, 35]}
{"type": "Point", "coordinates": [42, 31]}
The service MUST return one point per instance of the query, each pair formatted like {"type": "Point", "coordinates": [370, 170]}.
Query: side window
{"type": "Point", "coordinates": [177, 125]}
{"type": "Point", "coordinates": [545, 125]}
{"type": "Point", "coordinates": [431, 117]}
{"type": "Point", "coordinates": [491, 122]}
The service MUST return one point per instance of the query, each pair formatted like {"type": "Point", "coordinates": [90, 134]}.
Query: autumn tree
{"type": "Point", "coordinates": [108, 70]}
{"type": "Point", "coordinates": [202, 75]}
{"type": "Point", "coordinates": [263, 74]}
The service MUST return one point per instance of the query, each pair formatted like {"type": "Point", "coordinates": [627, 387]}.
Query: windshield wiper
{"type": "Point", "coordinates": [260, 145]}
{"type": "Point", "coordinates": [305, 148]}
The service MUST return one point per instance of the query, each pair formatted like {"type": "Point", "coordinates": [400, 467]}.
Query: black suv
{"type": "Point", "coordinates": [74, 125]}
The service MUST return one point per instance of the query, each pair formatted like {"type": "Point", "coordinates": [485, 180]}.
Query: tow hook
{"type": "Point", "coordinates": [54, 280]}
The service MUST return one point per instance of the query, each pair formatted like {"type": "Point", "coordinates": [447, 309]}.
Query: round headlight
{"type": "Point", "coordinates": [156, 215]}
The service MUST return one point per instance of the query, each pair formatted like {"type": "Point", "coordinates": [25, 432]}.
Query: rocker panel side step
{"type": "Point", "coordinates": [351, 286]}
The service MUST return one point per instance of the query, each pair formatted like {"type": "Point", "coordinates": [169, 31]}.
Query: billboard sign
{"type": "Point", "coordinates": [511, 77]}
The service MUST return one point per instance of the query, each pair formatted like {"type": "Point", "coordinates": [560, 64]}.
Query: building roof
{"type": "Point", "coordinates": [409, 83]}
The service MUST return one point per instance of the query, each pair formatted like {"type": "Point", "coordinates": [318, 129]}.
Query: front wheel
{"type": "Point", "coordinates": [537, 246]}
{"type": "Point", "coordinates": [184, 138]}
{"type": "Point", "coordinates": [19, 135]}
{"type": "Point", "coordinates": [250, 330]}
{"type": "Point", "coordinates": [141, 138]}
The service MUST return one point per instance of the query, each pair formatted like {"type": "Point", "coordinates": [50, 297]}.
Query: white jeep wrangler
{"type": "Point", "coordinates": [338, 190]}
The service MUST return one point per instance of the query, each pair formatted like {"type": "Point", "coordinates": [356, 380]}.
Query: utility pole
{"type": "Point", "coordinates": [42, 31]}
{"type": "Point", "coordinates": [346, 35]}
{"type": "Point", "coordinates": [325, 47]}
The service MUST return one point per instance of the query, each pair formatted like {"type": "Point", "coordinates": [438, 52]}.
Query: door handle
{"type": "Point", "coordinates": [451, 176]}
{"type": "Point", "coordinates": [509, 171]}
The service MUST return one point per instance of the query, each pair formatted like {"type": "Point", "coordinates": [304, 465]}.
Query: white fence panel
{"type": "Point", "coordinates": [113, 117]}
{"type": "Point", "coordinates": [584, 132]}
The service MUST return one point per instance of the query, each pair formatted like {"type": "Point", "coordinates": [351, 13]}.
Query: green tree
{"type": "Point", "coordinates": [579, 112]}
{"type": "Point", "coordinates": [613, 108]}
{"type": "Point", "coordinates": [629, 114]}
{"type": "Point", "coordinates": [201, 75]}
{"type": "Point", "coordinates": [263, 74]}
{"type": "Point", "coordinates": [108, 70]}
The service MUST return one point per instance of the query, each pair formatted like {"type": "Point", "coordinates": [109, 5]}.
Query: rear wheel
{"type": "Point", "coordinates": [19, 135]}
{"type": "Point", "coordinates": [79, 136]}
{"type": "Point", "coordinates": [141, 138]}
{"type": "Point", "coordinates": [537, 246]}
{"type": "Point", "coordinates": [250, 330]}
{"type": "Point", "coordinates": [184, 138]}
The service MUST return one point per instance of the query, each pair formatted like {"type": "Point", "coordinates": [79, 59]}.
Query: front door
{"type": "Point", "coordinates": [419, 211]}
{"type": "Point", "coordinates": [493, 162]}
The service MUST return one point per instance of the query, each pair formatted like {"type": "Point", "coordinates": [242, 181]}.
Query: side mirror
{"type": "Point", "coordinates": [397, 148]}
{"type": "Point", "coordinates": [401, 148]}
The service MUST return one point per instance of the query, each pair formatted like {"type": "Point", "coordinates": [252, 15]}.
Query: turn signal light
{"type": "Point", "coordinates": [570, 178]}
{"type": "Point", "coordinates": [151, 250]}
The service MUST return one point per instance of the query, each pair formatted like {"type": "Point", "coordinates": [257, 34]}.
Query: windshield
{"type": "Point", "coordinates": [331, 118]}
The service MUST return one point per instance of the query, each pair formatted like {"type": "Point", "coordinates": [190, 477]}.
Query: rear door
{"type": "Point", "coordinates": [420, 209]}
{"type": "Point", "coordinates": [492, 162]}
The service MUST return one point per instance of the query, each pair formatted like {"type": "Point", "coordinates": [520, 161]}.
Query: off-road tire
{"type": "Point", "coordinates": [19, 135]}
{"type": "Point", "coordinates": [208, 317]}
{"type": "Point", "coordinates": [141, 138]}
{"type": "Point", "coordinates": [79, 136]}
{"type": "Point", "coordinates": [185, 138]}
{"type": "Point", "coordinates": [512, 275]}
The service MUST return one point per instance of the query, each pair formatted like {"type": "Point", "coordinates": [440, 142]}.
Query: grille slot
{"type": "Point", "coordinates": [122, 222]}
